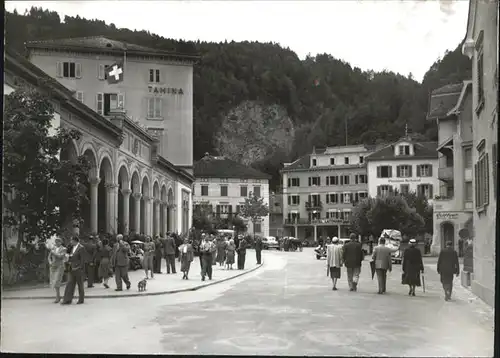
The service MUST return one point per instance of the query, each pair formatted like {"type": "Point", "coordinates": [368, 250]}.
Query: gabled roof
{"type": "Point", "coordinates": [301, 163]}
{"type": "Point", "coordinates": [221, 167]}
{"type": "Point", "coordinates": [443, 99]}
{"type": "Point", "coordinates": [101, 44]}
{"type": "Point", "coordinates": [467, 87]}
{"type": "Point", "coordinates": [423, 150]}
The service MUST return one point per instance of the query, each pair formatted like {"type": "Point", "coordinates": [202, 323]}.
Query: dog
{"type": "Point", "coordinates": [141, 285]}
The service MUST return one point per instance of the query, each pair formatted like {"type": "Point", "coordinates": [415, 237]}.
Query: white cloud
{"type": "Point", "coordinates": [401, 36]}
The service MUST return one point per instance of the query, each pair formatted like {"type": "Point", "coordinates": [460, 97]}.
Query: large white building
{"type": "Point", "coordinates": [223, 185]}
{"type": "Point", "coordinates": [406, 166]}
{"type": "Point", "coordinates": [481, 46]}
{"type": "Point", "coordinates": [141, 157]}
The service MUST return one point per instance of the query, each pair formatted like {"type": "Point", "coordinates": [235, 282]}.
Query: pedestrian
{"type": "Point", "coordinates": [104, 264]}
{"type": "Point", "coordinates": [230, 252]}
{"type": "Point", "coordinates": [120, 262]}
{"type": "Point", "coordinates": [242, 252]}
{"type": "Point", "coordinates": [352, 255]}
{"type": "Point", "coordinates": [199, 249]}
{"type": "Point", "coordinates": [57, 257]}
{"type": "Point", "coordinates": [258, 249]}
{"type": "Point", "coordinates": [460, 247]}
{"type": "Point", "coordinates": [334, 261]}
{"type": "Point", "coordinates": [186, 254]}
{"type": "Point", "coordinates": [169, 253]}
{"type": "Point", "coordinates": [221, 251]}
{"type": "Point", "coordinates": [97, 261]}
{"type": "Point", "coordinates": [447, 266]}
{"type": "Point", "coordinates": [214, 250]}
{"type": "Point", "coordinates": [157, 255]}
{"type": "Point", "coordinates": [149, 252]}
{"type": "Point", "coordinates": [412, 266]}
{"type": "Point", "coordinates": [206, 252]}
{"type": "Point", "coordinates": [76, 274]}
{"type": "Point", "coordinates": [91, 249]}
{"type": "Point", "coordinates": [383, 262]}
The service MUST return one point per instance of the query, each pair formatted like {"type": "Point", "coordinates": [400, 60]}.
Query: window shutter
{"type": "Point", "coordinates": [341, 180]}
{"type": "Point", "coordinates": [309, 198]}
{"type": "Point", "coordinates": [356, 179]}
{"type": "Point", "coordinates": [398, 171]}
{"type": "Point", "coordinates": [351, 195]}
{"type": "Point", "coordinates": [430, 170]}
{"type": "Point", "coordinates": [327, 198]}
{"type": "Point", "coordinates": [298, 181]}
{"type": "Point", "coordinates": [390, 172]}
{"type": "Point", "coordinates": [342, 198]}
{"type": "Point", "coordinates": [59, 69]}
{"type": "Point", "coordinates": [79, 96]}
{"type": "Point", "coordinates": [379, 172]}
{"type": "Point", "coordinates": [486, 180]}
{"type": "Point", "coordinates": [78, 70]}
{"type": "Point", "coordinates": [476, 186]}
{"type": "Point", "coordinates": [289, 182]}
{"type": "Point", "coordinates": [230, 209]}
{"type": "Point", "coordinates": [150, 108]}
{"type": "Point", "coordinates": [494, 163]}
{"type": "Point", "coordinates": [289, 198]}
{"type": "Point", "coordinates": [319, 181]}
{"type": "Point", "coordinates": [418, 170]}
{"type": "Point", "coordinates": [379, 190]}
{"type": "Point", "coordinates": [218, 209]}
{"type": "Point", "coordinates": [431, 191]}
{"type": "Point", "coordinates": [158, 109]}
{"type": "Point", "coordinates": [121, 100]}
{"type": "Point", "coordinates": [356, 197]}
{"type": "Point", "coordinates": [100, 103]}
{"type": "Point", "coordinates": [100, 71]}
{"type": "Point", "coordinates": [327, 180]}
{"type": "Point", "coordinates": [309, 181]}
{"type": "Point", "coordinates": [298, 199]}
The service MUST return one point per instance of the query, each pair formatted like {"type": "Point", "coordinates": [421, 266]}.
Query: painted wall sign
{"type": "Point", "coordinates": [405, 180]}
{"type": "Point", "coordinates": [447, 216]}
{"type": "Point", "coordinates": [165, 90]}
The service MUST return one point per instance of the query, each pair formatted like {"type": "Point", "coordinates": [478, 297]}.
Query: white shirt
{"type": "Point", "coordinates": [74, 248]}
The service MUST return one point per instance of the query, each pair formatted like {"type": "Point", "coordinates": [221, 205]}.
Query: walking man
{"type": "Point", "coordinates": [353, 256]}
{"type": "Point", "coordinates": [91, 249]}
{"type": "Point", "coordinates": [120, 262]}
{"type": "Point", "coordinates": [383, 262]}
{"type": "Point", "coordinates": [334, 260]}
{"type": "Point", "coordinates": [242, 252]}
{"type": "Point", "coordinates": [157, 255]}
{"type": "Point", "coordinates": [77, 260]}
{"type": "Point", "coordinates": [206, 258]}
{"type": "Point", "coordinates": [258, 249]}
{"type": "Point", "coordinates": [447, 266]}
{"type": "Point", "coordinates": [169, 252]}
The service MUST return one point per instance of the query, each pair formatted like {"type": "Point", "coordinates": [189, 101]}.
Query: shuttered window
{"type": "Point", "coordinates": [154, 108]}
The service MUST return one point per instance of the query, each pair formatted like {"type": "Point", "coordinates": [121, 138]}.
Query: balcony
{"type": "Point", "coordinates": [445, 174]}
{"type": "Point", "coordinates": [314, 205]}
{"type": "Point", "coordinates": [444, 203]}
{"type": "Point", "coordinates": [330, 221]}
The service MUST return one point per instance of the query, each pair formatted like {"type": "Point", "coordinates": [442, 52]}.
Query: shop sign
{"type": "Point", "coordinates": [447, 216]}
{"type": "Point", "coordinates": [165, 90]}
{"type": "Point", "coordinates": [405, 180]}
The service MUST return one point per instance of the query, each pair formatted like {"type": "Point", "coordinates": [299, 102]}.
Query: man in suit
{"type": "Point", "coordinates": [258, 249]}
{"type": "Point", "coordinates": [157, 255]}
{"type": "Point", "coordinates": [242, 252]}
{"type": "Point", "coordinates": [91, 249]}
{"type": "Point", "coordinates": [352, 257]}
{"type": "Point", "coordinates": [447, 266]}
{"type": "Point", "coordinates": [77, 259]}
{"type": "Point", "coordinates": [120, 262]}
{"type": "Point", "coordinates": [206, 258]}
{"type": "Point", "coordinates": [169, 252]}
{"type": "Point", "coordinates": [383, 262]}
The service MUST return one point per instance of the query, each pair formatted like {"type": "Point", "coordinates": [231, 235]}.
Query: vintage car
{"type": "Point", "coordinates": [393, 241]}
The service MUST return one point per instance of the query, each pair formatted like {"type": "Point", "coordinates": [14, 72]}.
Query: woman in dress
{"type": "Point", "coordinates": [105, 255]}
{"type": "Point", "coordinates": [57, 258]}
{"type": "Point", "coordinates": [412, 266]}
{"type": "Point", "coordinates": [186, 253]}
{"type": "Point", "coordinates": [230, 250]}
{"type": "Point", "coordinates": [221, 251]}
{"type": "Point", "coordinates": [149, 253]}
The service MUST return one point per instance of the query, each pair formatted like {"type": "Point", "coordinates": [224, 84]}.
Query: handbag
{"type": "Point", "coordinates": [404, 280]}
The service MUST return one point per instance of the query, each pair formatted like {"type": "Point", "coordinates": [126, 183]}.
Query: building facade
{"type": "Point", "coordinates": [451, 107]}
{"type": "Point", "coordinates": [319, 191]}
{"type": "Point", "coordinates": [222, 185]}
{"type": "Point", "coordinates": [481, 46]}
{"type": "Point", "coordinates": [276, 214]}
{"type": "Point", "coordinates": [406, 166]}
{"type": "Point", "coordinates": [131, 186]}
{"type": "Point", "coordinates": [156, 91]}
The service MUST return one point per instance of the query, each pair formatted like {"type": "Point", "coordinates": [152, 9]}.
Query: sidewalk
{"type": "Point", "coordinates": [161, 283]}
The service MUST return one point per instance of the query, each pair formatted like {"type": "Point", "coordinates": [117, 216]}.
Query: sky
{"type": "Point", "coordinates": [402, 36]}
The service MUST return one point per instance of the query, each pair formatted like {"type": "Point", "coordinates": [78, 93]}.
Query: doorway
{"type": "Point", "coordinates": [447, 234]}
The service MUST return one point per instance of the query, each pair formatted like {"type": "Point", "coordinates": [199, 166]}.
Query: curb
{"type": "Point", "coordinates": [195, 288]}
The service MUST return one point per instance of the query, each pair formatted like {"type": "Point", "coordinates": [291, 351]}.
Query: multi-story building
{"type": "Point", "coordinates": [481, 45]}
{"type": "Point", "coordinates": [276, 214]}
{"type": "Point", "coordinates": [155, 90]}
{"type": "Point", "coordinates": [451, 107]}
{"type": "Point", "coordinates": [319, 190]}
{"type": "Point", "coordinates": [223, 185]}
{"type": "Point", "coordinates": [406, 166]}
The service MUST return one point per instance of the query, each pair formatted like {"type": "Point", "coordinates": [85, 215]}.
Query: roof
{"type": "Point", "coordinates": [423, 150]}
{"type": "Point", "coordinates": [105, 44]}
{"type": "Point", "coordinates": [443, 99]}
{"type": "Point", "coordinates": [301, 163]}
{"type": "Point", "coordinates": [221, 167]}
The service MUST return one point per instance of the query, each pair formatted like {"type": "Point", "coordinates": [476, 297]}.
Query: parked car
{"type": "Point", "coordinates": [270, 242]}
{"type": "Point", "coordinates": [393, 241]}
{"type": "Point", "coordinates": [320, 252]}
{"type": "Point", "coordinates": [293, 244]}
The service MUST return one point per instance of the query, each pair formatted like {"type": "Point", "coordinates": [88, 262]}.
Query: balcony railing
{"type": "Point", "coordinates": [445, 174]}
{"type": "Point", "coordinates": [311, 205]}
{"type": "Point", "coordinates": [315, 221]}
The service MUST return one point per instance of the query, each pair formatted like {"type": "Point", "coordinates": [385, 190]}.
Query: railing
{"type": "Point", "coordinates": [445, 173]}
{"type": "Point", "coordinates": [313, 205]}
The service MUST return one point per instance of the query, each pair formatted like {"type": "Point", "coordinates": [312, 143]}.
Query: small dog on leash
{"type": "Point", "coordinates": [141, 285]}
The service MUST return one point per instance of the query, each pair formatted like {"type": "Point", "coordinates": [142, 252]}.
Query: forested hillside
{"type": "Point", "coordinates": [313, 98]}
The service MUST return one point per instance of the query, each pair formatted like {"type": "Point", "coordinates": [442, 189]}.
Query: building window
{"type": "Point", "coordinates": [257, 227]}
{"type": "Point", "coordinates": [154, 107]}
{"type": "Point", "coordinates": [346, 198]}
{"type": "Point", "coordinates": [154, 76]}
{"type": "Point", "coordinates": [332, 161]}
{"type": "Point", "coordinates": [346, 215]}
{"type": "Point", "coordinates": [102, 73]}
{"type": "Point", "coordinates": [69, 70]}
{"type": "Point", "coordinates": [314, 162]}
{"type": "Point", "coordinates": [293, 182]}
{"type": "Point", "coordinates": [468, 158]}
{"type": "Point", "coordinates": [384, 190]}
{"type": "Point", "coordinates": [480, 73]}
{"type": "Point", "coordinates": [332, 180]}
{"type": "Point", "coordinates": [404, 188]}
{"type": "Point", "coordinates": [481, 173]}
{"type": "Point", "coordinates": [314, 200]}
{"type": "Point", "coordinates": [424, 170]}
{"type": "Point", "coordinates": [362, 195]}
{"type": "Point", "coordinates": [345, 180]}
{"type": "Point", "coordinates": [106, 102]}
{"type": "Point", "coordinates": [332, 198]}
{"type": "Point", "coordinates": [256, 191]}
{"type": "Point", "coordinates": [223, 190]}
{"type": "Point", "coordinates": [79, 96]}
{"type": "Point", "coordinates": [403, 171]}
{"type": "Point", "coordinates": [425, 190]}
{"type": "Point", "coordinates": [404, 150]}
{"type": "Point", "coordinates": [244, 191]}
{"type": "Point", "coordinates": [293, 200]}
{"type": "Point", "coordinates": [361, 159]}
{"type": "Point", "coordinates": [346, 160]}
{"type": "Point", "coordinates": [224, 209]}
{"type": "Point", "coordinates": [384, 171]}
{"type": "Point", "coordinates": [204, 190]}
{"type": "Point", "coordinates": [314, 181]}
{"type": "Point", "coordinates": [360, 179]}
{"type": "Point", "coordinates": [468, 191]}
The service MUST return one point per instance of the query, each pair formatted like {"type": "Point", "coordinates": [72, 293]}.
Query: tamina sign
{"type": "Point", "coordinates": [165, 90]}
{"type": "Point", "coordinates": [447, 216]}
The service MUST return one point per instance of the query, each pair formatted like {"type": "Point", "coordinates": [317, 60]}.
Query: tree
{"type": "Point", "coordinates": [202, 216]}
{"type": "Point", "coordinates": [423, 208]}
{"type": "Point", "coordinates": [254, 208]}
{"type": "Point", "coordinates": [41, 192]}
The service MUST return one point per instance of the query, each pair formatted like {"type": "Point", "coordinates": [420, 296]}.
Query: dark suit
{"type": "Point", "coordinates": [157, 257]}
{"type": "Point", "coordinates": [169, 253]}
{"type": "Point", "coordinates": [258, 250]}
{"type": "Point", "coordinates": [383, 262]}
{"type": "Point", "coordinates": [91, 250]}
{"type": "Point", "coordinates": [77, 265]}
{"type": "Point", "coordinates": [242, 252]}
{"type": "Point", "coordinates": [447, 266]}
{"type": "Point", "coordinates": [121, 263]}
{"type": "Point", "coordinates": [352, 255]}
{"type": "Point", "coordinates": [206, 260]}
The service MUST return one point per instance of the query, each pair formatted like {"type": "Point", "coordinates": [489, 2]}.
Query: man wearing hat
{"type": "Point", "coordinates": [383, 262]}
{"type": "Point", "coordinates": [353, 256]}
{"type": "Point", "coordinates": [447, 266]}
{"type": "Point", "coordinates": [412, 266]}
{"type": "Point", "coordinates": [334, 261]}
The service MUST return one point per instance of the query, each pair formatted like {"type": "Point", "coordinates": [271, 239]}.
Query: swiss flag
{"type": "Point", "coordinates": [115, 73]}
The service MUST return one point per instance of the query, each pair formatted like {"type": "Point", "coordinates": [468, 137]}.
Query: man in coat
{"type": "Point", "coordinates": [157, 255]}
{"type": "Point", "coordinates": [383, 262]}
{"type": "Point", "coordinates": [242, 252]}
{"type": "Point", "coordinates": [77, 259]}
{"type": "Point", "coordinates": [91, 249]}
{"type": "Point", "coordinates": [206, 258]}
{"type": "Point", "coordinates": [169, 252]}
{"type": "Point", "coordinates": [258, 249]}
{"type": "Point", "coordinates": [412, 266]}
{"type": "Point", "coordinates": [353, 256]}
{"type": "Point", "coordinates": [120, 262]}
{"type": "Point", "coordinates": [447, 266]}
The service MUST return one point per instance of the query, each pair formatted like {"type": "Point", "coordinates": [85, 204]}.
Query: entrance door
{"type": "Point", "coordinates": [447, 234]}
